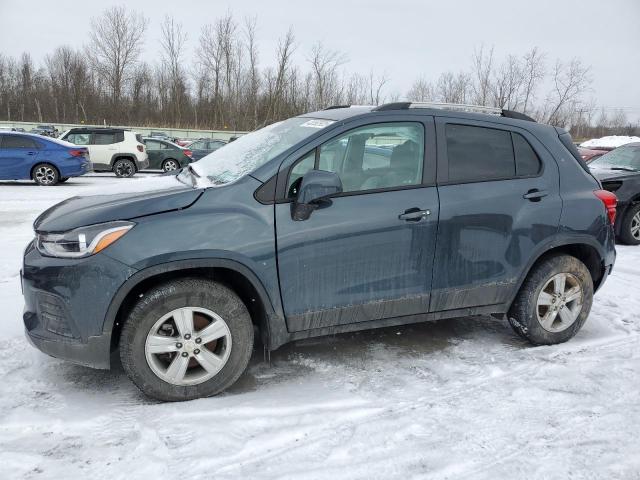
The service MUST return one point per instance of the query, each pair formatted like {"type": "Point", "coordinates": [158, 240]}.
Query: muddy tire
{"type": "Point", "coordinates": [554, 301]}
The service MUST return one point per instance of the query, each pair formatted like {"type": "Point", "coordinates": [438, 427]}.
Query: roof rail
{"type": "Point", "coordinates": [456, 107]}
{"type": "Point", "coordinates": [333, 107]}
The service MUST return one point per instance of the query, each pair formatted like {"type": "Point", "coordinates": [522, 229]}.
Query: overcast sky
{"type": "Point", "coordinates": [405, 39]}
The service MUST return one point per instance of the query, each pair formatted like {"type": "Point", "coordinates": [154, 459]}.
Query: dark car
{"type": "Point", "coordinates": [46, 161]}
{"type": "Point", "coordinates": [203, 147]}
{"type": "Point", "coordinates": [619, 172]}
{"type": "Point", "coordinates": [167, 156]}
{"type": "Point", "coordinates": [308, 227]}
{"type": "Point", "coordinates": [589, 155]}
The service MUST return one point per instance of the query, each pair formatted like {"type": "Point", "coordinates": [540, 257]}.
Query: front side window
{"type": "Point", "coordinates": [78, 138]}
{"type": "Point", "coordinates": [384, 155]}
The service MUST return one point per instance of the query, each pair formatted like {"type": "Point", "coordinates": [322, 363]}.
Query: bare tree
{"type": "Point", "coordinates": [421, 91]}
{"type": "Point", "coordinates": [172, 43]}
{"type": "Point", "coordinates": [533, 73]}
{"type": "Point", "coordinates": [324, 65]}
{"type": "Point", "coordinates": [481, 72]}
{"type": "Point", "coordinates": [115, 43]}
{"type": "Point", "coordinates": [569, 82]}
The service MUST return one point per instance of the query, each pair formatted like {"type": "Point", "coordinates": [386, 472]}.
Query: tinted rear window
{"type": "Point", "coordinates": [527, 161]}
{"type": "Point", "coordinates": [103, 138]}
{"type": "Point", "coordinates": [478, 153]}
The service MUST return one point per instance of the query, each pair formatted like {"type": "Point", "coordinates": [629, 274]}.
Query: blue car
{"type": "Point", "coordinates": [46, 161]}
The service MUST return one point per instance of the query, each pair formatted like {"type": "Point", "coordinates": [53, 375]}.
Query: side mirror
{"type": "Point", "coordinates": [316, 187]}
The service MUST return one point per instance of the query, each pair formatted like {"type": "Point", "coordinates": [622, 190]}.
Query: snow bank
{"type": "Point", "coordinates": [613, 141]}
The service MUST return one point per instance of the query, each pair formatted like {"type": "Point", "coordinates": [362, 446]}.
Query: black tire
{"type": "Point", "coordinates": [628, 227]}
{"type": "Point", "coordinates": [158, 302]}
{"type": "Point", "coordinates": [124, 168]}
{"type": "Point", "coordinates": [170, 165]}
{"type": "Point", "coordinates": [524, 314]}
{"type": "Point", "coordinates": [45, 174]}
{"type": "Point", "coordinates": [63, 179]}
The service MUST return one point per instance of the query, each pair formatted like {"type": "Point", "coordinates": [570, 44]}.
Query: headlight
{"type": "Point", "coordinates": [83, 241]}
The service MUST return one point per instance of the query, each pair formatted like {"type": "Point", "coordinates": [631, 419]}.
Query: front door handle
{"type": "Point", "coordinates": [535, 195]}
{"type": "Point", "coordinates": [414, 214]}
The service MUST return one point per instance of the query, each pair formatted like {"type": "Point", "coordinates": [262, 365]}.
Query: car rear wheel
{"type": "Point", "coordinates": [186, 339]}
{"type": "Point", "coordinates": [630, 227]}
{"type": "Point", "coordinates": [554, 301]}
{"type": "Point", "coordinates": [170, 165]}
{"type": "Point", "coordinates": [124, 168]}
{"type": "Point", "coordinates": [45, 174]}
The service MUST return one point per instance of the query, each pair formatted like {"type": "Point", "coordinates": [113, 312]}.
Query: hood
{"type": "Point", "coordinates": [145, 198]}
{"type": "Point", "coordinates": [608, 174]}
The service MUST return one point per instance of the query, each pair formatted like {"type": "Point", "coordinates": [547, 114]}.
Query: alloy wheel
{"type": "Point", "coordinates": [560, 302]}
{"type": "Point", "coordinates": [635, 226]}
{"type": "Point", "coordinates": [45, 175]}
{"type": "Point", "coordinates": [188, 346]}
{"type": "Point", "coordinates": [124, 169]}
{"type": "Point", "coordinates": [170, 165]}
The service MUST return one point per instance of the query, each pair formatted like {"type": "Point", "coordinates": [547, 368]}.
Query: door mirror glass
{"type": "Point", "coordinates": [316, 186]}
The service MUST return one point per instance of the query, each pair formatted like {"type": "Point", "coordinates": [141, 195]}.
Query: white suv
{"type": "Point", "coordinates": [111, 149]}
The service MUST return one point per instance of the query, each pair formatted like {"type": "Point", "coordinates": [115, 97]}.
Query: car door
{"type": "Point", "coordinates": [155, 152]}
{"type": "Point", "coordinates": [18, 154]}
{"type": "Point", "coordinates": [499, 201]}
{"type": "Point", "coordinates": [367, 254]}
{"type": "Point", "coordinates": [102, 148]}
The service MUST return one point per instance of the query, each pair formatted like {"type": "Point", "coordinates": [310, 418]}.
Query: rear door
{"type": "Point", "coordinates": [18, 154]}
{"type": "Point", "coordinates": [103, 147]}
{"type": "Point", "coordinates": [499, 200]}
{"type": "Point", "coordinates": [366, 254]}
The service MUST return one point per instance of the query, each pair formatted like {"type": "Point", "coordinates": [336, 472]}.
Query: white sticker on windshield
{"type": "Point", "coordinates": [317, 123]}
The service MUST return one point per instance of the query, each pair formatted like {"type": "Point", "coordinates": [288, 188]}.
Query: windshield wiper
{"type": "Point", "coordinates": [625, 169]}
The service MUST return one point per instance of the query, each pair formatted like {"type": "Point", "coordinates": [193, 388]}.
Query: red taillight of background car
{"type": "Point", "coordinates": [188, 153]}
{"type": "Point", "coordinates": [610, 202]}
{"type": "Point", "coordinates": [77, 153]}
{"type": "Point", "coordinates": [140, 148]}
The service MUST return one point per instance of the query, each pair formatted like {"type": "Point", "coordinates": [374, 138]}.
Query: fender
{"type": "Point", "coordinates": [273, 327]}
{"type": "Point", "coordinates": [558, 240]}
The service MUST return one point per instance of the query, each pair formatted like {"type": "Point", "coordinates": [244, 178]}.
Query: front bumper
{"type": "Point", "coordinates": [66, 301]}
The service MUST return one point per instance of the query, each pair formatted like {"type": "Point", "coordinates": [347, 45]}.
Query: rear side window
{"type": "Point", "coordinates": [103, 138]}
{"type": "Point", "coordinates": [119, 136]}
{"type": "Point", "coordinates": [527, 161]}
{"type": "Point", "coordinates": [477, 153]}
{"type": "Point", "coordinates": [16, 141]}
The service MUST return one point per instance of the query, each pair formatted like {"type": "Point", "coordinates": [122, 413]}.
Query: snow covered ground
{"type": "Point", "coordinates": [453, 399]}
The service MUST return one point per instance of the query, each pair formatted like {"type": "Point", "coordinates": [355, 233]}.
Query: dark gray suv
{"type": "Point", "coordinates": [345, 219]}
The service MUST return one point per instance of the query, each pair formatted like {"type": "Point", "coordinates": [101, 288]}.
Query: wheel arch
{"type": "Point", "coordinates": [123, 156]}
{"type": "Point", "coordinates": [238, 277]}
{"type": "Point", "coordinates": [582, 249]}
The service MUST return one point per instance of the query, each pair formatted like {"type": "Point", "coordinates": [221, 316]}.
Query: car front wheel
{"type": "Point", "coordinates": [186, 339]}
{"type": "Point", "coordinates": [554, 301]}
{"type": "Point", "coordinates": [124, 168]}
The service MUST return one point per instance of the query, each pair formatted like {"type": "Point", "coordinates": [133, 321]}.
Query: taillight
{"type": "Point", "coordinates": [77, 153]}
{"type": "Point", "coordinates": [188, 153]}
{"type": "Point", "coordinates": [140, 148]}
{"type": "Point", "coordinates": [610, 202]}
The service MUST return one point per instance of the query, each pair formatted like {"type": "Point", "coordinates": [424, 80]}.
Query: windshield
{"type": "Point", "coordinates": [627, 157]}
{"type": "Point", "coordinates": [254, 149]}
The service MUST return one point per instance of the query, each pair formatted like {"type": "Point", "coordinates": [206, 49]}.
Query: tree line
{"type": "Point", "coordinates": [221, 85]}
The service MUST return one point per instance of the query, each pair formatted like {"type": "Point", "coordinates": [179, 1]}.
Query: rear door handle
{"type": "Point", "coordinates": [535, 195]}
{"type": "Point", "coordinates": [414, 214]}
{"type": "Point", "coordinates": [31, 153]}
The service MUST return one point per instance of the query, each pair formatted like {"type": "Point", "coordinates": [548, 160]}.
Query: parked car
{"type": "Point", "coordinates": [45, 131]}
{"type": "Point", "coordinates": [46, 161]}
{"type": "Point", "coordinates": [203, 147]}
{"type": "Point", "coordinates": [184, 142]}
{"type": "Point", "coordinates": [619, 172]}
{"type": "Point", "coordinates": [588, 155]}
{"type": "Point", "coordinates": [292, 233]}
{"type": "Point", "coordinates": [111, 149]}
{"type": "Point", "coordinates": [165, 155]}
